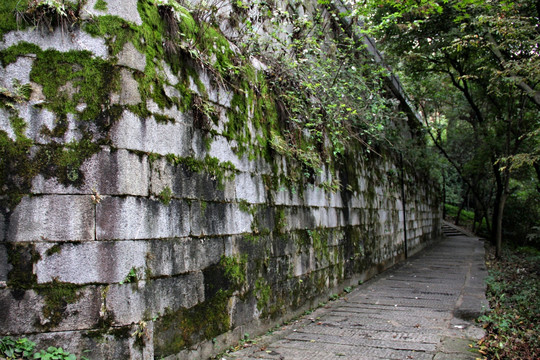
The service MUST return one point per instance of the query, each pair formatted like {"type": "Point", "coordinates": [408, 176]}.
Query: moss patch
{"type": "Point", "coordinates": [185, 327]}
{"type": "Point", "coordinates": [57, 296]}
{"type": "Point", "coordinates": [8, 15]}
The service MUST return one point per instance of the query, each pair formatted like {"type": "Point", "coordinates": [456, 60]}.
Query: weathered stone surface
{"type": "Point", "coordinates": [19, 71]}
{"type": "Point", "coordinates": [91, 345]}
{"type": "Point", "coordinates": [219, 219]}
{"type": "Point", "coordinates": [131, 302]}
{"type": "Point", "coordinates": [250, 188]}
{"type": "Point", "coordinates": [45, 309]}
{"type": "Point", "coordinates": [135, 133]}
{"type": "Point", "coordinates": [125, 9]}
{"type": "Point", "coordinates": [177, 256]}
{"type": "Point", "coordinates": [222, 150]}
{"type": "Point", "coordinates": [52, 217]}
{"type": "Point", "coordinates": [131, 57]}
{"type": "Point", "coordinates": [129, 90]}
{"type": "Point", "coordinates": [108, 172]}
{"type": "Point", "coordinates": [58, 40]}
{"type": "Point", "coordinates": [140, 218]}
{"type": "Point", "coordinates": [93, 262]}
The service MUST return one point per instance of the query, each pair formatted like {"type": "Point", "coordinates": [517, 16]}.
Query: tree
{"type": "Point", "coordinates": [485, 55]}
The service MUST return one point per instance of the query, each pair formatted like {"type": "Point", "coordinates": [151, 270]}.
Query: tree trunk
{"type": "Point", "coordinates": [498, 235]}
{"type": "Point", "coordinates": [456, 222]}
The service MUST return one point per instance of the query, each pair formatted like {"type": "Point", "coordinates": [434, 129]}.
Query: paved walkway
{"type": "Point", "coordinates": [420, 309]}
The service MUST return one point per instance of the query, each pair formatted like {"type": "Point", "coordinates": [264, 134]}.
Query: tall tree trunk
{"type": "Point", "coordinates": [456, 222]}
{"type": "Point", "coordinates": [498, 235]}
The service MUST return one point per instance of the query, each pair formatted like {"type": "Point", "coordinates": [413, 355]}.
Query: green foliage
{"type": "Point", "coordinates": [513, 323]}
{"type": "Point", "coordinates": [16, 349]}
{"type": "Point", "coordinates": [132, 276]}
{"type": "Point", "coordinates": [53, 353]}
{"type": "Point", "coordinates": [23, 349]}
{"type": "Point", "coordinates": [235, 269]}
{"type": "Point", "coordinates": [165, 196]}
{"type": "Point", "coordinates": [101, 5]}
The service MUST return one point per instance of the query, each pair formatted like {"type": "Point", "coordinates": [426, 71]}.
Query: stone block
{"type": "Point", "coordinates": [58, 40]}
{"type": "Point", "coordinates": [222, 150]}
{"type": "Point", "coordinates": [244, 310]}
{"type": "Point", "coordinates": [177, 256]}
{"type": "Point", "coordinates": [91, 345]}
{"type": "Point", "coordinates": [129, 303]}
{"type": "Point", "coordinates": [19, 71]}
{"type": "Point", "coordinates": [134, 218]}
{"type": "Point", "coordinates": [125, 9]}
{"type": "Point", "coordinates": [34, 311]}
{"type": "Point", "coordinates": [37, 119]}
{"type": "Point", "coordinates": [91, 262]}
{"type": "Point", "coordinates": [129, 90]}
{"type": "Point", "coordinates": [173, 112]}
{"type": "Point", "coordinates": [109, 172]}
{"type": "Point", "coordinates": [131, 57]}
{"type": "Point", "coordinates": [219, 219]}
{"type": "Point", "coordinates": [135, 133]}
{"type": "Point", "coordinates": [250, 188]}
{"type": "Point", "coordinates": [53, 217]}
{"type": "Point", "coordinates": [186, 184]}
{"type": "Point", "coordinates": [315, 196]}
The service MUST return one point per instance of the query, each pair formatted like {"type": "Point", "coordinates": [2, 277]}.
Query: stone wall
{"type": "Point", "coordinates": [136, 223]}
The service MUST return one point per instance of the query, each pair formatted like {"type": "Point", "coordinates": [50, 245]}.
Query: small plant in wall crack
{"type": "Point", "coordinates": [133, 276]}
{"type": "Point", "coordinates": [141, 333]}
{"type": "Point", "coordinates": [165, 196]}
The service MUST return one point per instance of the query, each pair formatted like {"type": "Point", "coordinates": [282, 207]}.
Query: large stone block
{"type": "Point", "coordinates": [147, 135]}
{"type": "Point", "coordinates": [222, 150]}
{"type": "Point", "coordinates": [131, 57]}
{"type": "Point", "coordinates": [130, 303]}
{"type": "Point", "coordinates": [58, 40]}
{"type": "Point", "coordinates": [219, 219]}
{"type": "Point", "coordinates": [315, 196]}
{"type": "Point", "coordinates": [53, 217]}
{"type": "Point", "coordinates": [177, 256]}
{"type": "Point", "coordinates": [49, 309]}
{"type": "Point", "coordinates": [141, 218]}
{"type": "Point", "coordinates": [91, 262]}
{"type": "Point", "coordinates": [250, 188]}
{"type": "Point", "coordinates": [189, 185]}
{"type": "Point", "coordinates": [93, 345]}
{"type": "Point", "coordinates": [107, 172]}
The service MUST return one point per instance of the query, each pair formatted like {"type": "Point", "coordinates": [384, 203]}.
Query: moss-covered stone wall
{"type": "Point", "coordinates": [145, 213]}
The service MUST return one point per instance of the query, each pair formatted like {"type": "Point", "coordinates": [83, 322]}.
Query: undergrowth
{"type": "Point", "coordinates": [513, 290]}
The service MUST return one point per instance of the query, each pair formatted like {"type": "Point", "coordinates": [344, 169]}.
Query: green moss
{"type": "Point", "coordinates": [100, 5]}
{"type": "Point", "coordinates": [281, 220]}
{"type": "Point", "coordinates": [235, 269]}
{"type": "Point", "coordinates": [17, 168]}
{"type": "Point", "coordinates": [220, 171]}
{"type": "Point", "coordinates": [56, 297]}
{"type": "Point", "coordinates": [55, 249]}
{"type": "Point", "coordinates": [185, 327]}
{"type": "Point", "coordinates": [22, 258]}
{"type": "Point", "coordinates": [8, 15]}
{"type": "Point", "coordinates": [262, 292]}
{"type": "Point", "coordinates": [115, 30]}
{"type": "Point", "coordinates": [165, 196]}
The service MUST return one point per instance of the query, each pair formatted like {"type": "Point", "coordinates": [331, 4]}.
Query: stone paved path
{"type": "Point", "coordinates": [420, 309]}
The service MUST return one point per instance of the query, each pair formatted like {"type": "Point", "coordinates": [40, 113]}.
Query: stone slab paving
{"type": "Point", "coordinates": [420, 309]}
